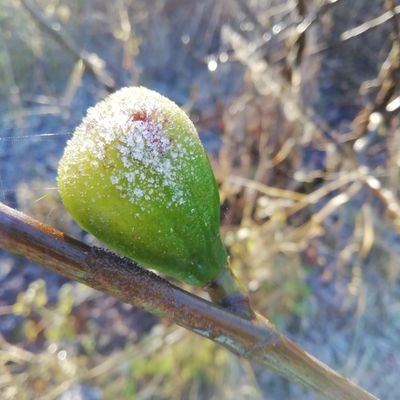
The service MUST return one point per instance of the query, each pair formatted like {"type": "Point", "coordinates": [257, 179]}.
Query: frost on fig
{"type": "Point", "coordinates": [136, 176]}
{"type": "Point", "coordinates": [142, 135]}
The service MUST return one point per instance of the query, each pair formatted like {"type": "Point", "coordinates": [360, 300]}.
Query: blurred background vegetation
{"type": "Point", "coordinates": [297, 103]}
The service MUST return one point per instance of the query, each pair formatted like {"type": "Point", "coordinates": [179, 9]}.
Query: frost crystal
{"type": "Point", "coordinates": [149, 155]}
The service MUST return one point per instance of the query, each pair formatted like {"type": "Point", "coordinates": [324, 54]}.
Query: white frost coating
{"type": "Point", "coordinates": [132, 123]}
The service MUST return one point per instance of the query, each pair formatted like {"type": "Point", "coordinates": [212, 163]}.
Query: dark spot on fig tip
{"type": "Point", "coordinates": [139, 116]}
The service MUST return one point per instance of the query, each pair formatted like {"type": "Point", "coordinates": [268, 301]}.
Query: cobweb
{"type": "Point", "coordinates": [28, 166]}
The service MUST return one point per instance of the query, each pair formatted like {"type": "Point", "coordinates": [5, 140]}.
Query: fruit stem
{"type": "Point", "coordinates": [226, 292]}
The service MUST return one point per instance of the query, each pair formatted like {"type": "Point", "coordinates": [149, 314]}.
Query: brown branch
{"type": "Point", "coordinates": [92, 61]}
{"type": "Point", "coordinates": [256, 340]}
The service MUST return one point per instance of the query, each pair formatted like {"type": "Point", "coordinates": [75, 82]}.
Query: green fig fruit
{"type": "Point", "coordinates": [136, 176]}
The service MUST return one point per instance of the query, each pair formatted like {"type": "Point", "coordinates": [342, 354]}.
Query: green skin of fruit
{"type": "Point", "coordinates": [136, 176]}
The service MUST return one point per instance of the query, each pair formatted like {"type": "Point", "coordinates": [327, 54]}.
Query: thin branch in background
{"type": "Point", "coordinates": [360, 30]}
{"type": "Point", "coordinates": [95, 64]}
{"type": "Point", "coordinates": [368, 25]}
{"type": "Point", "coordinates": [296, 47]}
{"type": "Point", "coordinates": [256, 340]}
{"type": "Point", "coordinates": [390, 5]}
{"type": "Point", "coordinates": [388, 82]}
{"type": "Point", "coordinates": [74, 81]}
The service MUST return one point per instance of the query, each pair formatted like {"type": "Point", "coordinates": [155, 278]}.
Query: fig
{"type": "Point", "coordinates": [136, 176]}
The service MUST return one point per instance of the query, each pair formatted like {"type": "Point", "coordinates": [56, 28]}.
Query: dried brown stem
{"type": "Point", "coordinates": [256, 340]}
